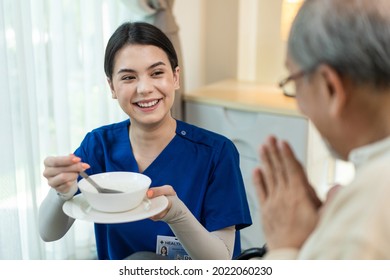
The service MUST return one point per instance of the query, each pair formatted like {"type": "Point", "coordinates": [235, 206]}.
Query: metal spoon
{"type": "Point", "coordinates": [93, 183]}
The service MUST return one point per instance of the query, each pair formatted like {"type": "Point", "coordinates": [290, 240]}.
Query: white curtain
{"type": "Point", "coordinates": [52, 91]}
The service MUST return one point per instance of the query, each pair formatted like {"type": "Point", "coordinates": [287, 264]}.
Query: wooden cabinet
{"type": "Point", "coordinates": [248, 113]}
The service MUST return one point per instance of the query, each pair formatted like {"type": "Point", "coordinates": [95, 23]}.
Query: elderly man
{"type": "Point", "coordinates": [339, 61]}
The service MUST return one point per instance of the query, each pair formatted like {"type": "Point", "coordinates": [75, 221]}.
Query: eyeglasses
{"type": "Point", "coordinates": [289, 88]}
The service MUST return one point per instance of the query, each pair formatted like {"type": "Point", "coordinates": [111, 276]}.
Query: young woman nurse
{"type": "Point", "coordinates": [197, 170]}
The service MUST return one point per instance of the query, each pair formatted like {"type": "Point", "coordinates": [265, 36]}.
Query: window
{"type": "Point", "coordinates": [53, 91]}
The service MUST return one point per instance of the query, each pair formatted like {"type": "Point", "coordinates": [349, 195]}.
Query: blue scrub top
{"type": "Point", "coordinates": [201, 166]}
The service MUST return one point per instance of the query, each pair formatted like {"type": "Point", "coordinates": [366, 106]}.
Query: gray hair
{"type": "Point", "coordinates": [351, 36]}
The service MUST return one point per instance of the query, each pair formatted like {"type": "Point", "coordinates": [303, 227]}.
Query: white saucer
{"type": "Point", "coordinates": [79, 208]}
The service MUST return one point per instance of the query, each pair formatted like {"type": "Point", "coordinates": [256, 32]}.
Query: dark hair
{"type": "Point", "coordinates": [137, 33]}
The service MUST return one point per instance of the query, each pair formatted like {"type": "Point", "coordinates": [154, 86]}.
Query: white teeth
{"type": "Point", "coordinates": [147, 104]}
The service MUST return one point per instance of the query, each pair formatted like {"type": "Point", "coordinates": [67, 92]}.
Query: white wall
{"type": "Point", "coordinates": [224, 39]}
{"type": "Point", "coordinates": [209, 40]}
{"type": "Point", "coordinates": [270, 46]}
{"type": "Point", "coordinates": [190, 17]}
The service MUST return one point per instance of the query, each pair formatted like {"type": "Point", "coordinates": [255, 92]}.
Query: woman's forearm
{"type": "Point", "coordinates": [196, 240]}
{"type": "Point", "coordinates": [53, 222]}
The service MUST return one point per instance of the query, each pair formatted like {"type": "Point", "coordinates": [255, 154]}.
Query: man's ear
{"type": "Point", "coordinates": [334, 89]}
{"type": "Point", "coordinates": [113, 94]}
{"type": "Point", "coordinates": [176, 77]}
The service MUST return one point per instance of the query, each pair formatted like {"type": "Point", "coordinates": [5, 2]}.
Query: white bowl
{"type": "Point", "coordinates": [133, 185]}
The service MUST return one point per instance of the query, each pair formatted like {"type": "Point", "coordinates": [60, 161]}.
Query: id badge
{"type": "Point", "coordinates": [170, 246]}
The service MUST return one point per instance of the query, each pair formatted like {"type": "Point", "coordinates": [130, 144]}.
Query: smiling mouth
{"type": "Point", "coordinates": [148, 104]}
